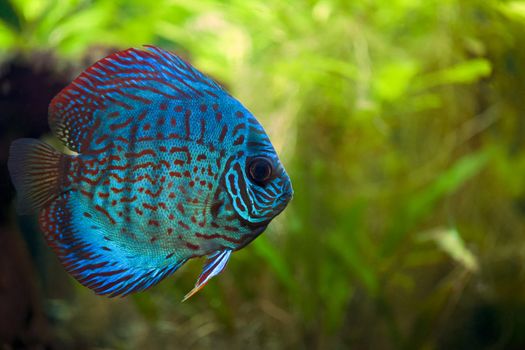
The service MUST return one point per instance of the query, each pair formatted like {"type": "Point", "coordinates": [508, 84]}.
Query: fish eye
{"type": "Point", "coordinates": [260, 170]}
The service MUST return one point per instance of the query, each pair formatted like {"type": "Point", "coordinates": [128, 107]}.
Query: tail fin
{"type": "Point", "coordinates": [35, 171]}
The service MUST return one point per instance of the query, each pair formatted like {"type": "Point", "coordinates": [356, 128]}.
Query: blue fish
{"type": "Point", "coordinates": [167, 166]}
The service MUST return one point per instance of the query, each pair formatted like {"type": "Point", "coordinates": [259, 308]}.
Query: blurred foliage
{"type": "Point", "coordinates": [401, 125]}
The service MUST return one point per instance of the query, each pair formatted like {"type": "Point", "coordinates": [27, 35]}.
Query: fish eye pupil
{"type": "Point", "coordinates": [260, 170]}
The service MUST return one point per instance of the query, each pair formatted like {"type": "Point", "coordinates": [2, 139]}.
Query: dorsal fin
{"type": "Point", "coordinates": [123, 81]}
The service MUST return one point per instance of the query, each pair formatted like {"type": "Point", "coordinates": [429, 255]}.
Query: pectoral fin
{"type": "Point", "coordinates": [214, 265]}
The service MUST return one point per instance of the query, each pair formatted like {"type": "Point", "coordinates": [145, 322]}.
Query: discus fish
{"type": "Point", "coordinates": [167, 166]}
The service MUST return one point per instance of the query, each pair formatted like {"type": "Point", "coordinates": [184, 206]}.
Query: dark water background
{"type": "Point", "coordinates": [402, 126]}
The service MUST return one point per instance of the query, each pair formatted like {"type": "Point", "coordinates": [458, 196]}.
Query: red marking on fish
{"type": "Point", "coordinates": [105, 212]}
{"type": "Point", "coordinates": [122, 125]}
{"type": "Point", "coordinates": [192, 246]}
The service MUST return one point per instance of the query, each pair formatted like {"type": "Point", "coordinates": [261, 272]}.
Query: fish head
{"type": "Point", "coordinates": [257, 184]}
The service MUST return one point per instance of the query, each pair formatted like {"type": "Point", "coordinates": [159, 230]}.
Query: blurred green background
{"type": "Point", "coordinates": [402, 126]}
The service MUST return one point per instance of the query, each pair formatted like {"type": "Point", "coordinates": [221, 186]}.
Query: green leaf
{"type": "Point", "coordinates": [446, 183]}
{"type": "Point", "coordinates": [276, 261]}
{"type": "Point", "coordinates": [354, 262]}
{"type": "Point", "coordinates": [420, 204]}
{"type": "Point", "coordinates": [450, 242]}
{"type": "Point", "coordinates": [9, 16]}
{"type": "Point", "coordinates": [463, 73]}
{"type": "Point", "coordinates": [7, 37]}
{"type": "Point", "coordinates": [394, 79]}
{"type": "Point", "coordinates": [515, 9]}
{"type": "Point", "coordinates": [336, 292]}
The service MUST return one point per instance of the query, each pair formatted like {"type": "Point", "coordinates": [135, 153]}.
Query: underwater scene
{"type": "Point", "coordinates": [249, 174]}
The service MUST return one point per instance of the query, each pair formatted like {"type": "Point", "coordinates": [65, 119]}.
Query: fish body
{"type": "Point", "coordinates": [169, 167]}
